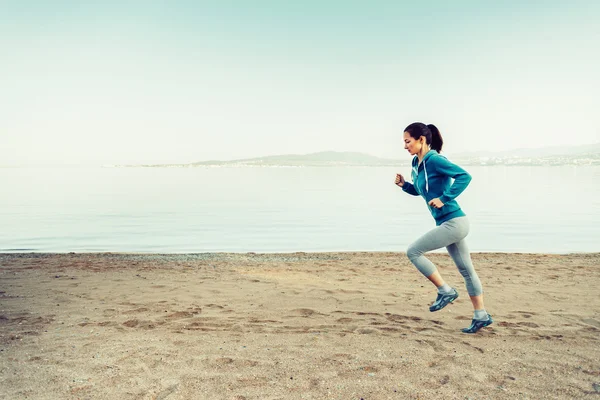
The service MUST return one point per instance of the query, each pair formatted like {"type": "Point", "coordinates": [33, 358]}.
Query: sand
{"type": "Point", "coordinates": [294, 326]}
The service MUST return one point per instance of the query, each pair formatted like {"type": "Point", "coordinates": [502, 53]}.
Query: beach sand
{"type": "Point", "coordinates": [294, 326]}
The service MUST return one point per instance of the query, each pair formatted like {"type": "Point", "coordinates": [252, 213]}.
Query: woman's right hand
{"type": "Point", "coordinates": [399, 180]}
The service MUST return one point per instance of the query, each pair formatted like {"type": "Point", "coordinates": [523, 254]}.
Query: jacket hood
{"type": "Point", "coordinates": [415, 163]}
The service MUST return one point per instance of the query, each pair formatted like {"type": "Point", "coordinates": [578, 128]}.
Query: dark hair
{"type": "Point", "coordinates": [431, 133]}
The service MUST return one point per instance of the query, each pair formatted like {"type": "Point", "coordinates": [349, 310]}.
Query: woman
{"type": "Point", "coordinates": [432, 176]}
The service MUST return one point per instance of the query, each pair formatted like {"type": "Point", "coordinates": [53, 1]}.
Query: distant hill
{"type": "Point", "coordinates": [570, 155]}
{"type": "Point", "coordinates": [323, 158]}
{"type": "Point", "coordinates": [320, 159]}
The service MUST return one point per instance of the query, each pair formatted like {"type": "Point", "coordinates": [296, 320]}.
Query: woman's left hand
{"type": "Point", "coordinates": [436, 203]}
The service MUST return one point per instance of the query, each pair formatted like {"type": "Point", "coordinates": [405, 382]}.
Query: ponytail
{"type": "Point", "coordinates": [436, 138]}
{"type": "Point", "coordinates": [431, 133]}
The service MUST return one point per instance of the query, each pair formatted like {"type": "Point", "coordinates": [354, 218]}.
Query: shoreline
{"type": "Point", "coordinates": [261, 253]}
{"type": "Point", "coordinates": [331, 325]}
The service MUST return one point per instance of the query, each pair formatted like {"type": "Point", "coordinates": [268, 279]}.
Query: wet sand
{"type": "Point", "coordinates": [294, 326]}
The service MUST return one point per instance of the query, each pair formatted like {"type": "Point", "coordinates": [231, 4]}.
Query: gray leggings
{"type": "Point", "coordinates": [450, 234]}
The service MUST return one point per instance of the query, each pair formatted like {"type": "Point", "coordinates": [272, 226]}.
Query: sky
{"type": "Point", "coordinates": [125, 82]}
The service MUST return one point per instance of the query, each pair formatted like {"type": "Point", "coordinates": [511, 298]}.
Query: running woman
{"type": "Point", "coordinates": [439, 182]}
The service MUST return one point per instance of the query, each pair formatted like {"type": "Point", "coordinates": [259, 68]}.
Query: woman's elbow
{"type": "Point", "coordinates": [466, 178]}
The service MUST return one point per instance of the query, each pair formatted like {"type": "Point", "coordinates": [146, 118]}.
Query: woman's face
{"type": "Point", "coordinates": [413, 145]}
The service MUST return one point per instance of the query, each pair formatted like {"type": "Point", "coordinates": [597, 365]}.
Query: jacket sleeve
{"type": "Point", "coordinates": [461, 178]}
{"type": "Point", "coordinates": [409, 188]}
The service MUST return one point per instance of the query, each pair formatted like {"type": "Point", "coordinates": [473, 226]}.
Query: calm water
{"type": "Point", "coordinates": [512, 209]}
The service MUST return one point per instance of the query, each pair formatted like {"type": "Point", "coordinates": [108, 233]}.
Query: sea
{"type": "Point", "coordinates": [529, 209]}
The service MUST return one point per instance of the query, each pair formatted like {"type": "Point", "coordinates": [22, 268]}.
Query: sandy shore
{"type": "Point", "coordinates": [294, 326]}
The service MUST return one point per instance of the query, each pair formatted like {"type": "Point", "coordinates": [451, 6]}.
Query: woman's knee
{"type": "Point", "coordinates": [413, 252]}
{"type": "Point", "coordinates": [467, 273]}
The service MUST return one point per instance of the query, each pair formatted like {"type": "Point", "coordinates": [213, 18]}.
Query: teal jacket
{"type": "Point", "coordinates": [433, 178]}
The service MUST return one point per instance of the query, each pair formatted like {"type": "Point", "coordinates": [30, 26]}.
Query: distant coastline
{"type": "Point", "coordinates": [575, 156]}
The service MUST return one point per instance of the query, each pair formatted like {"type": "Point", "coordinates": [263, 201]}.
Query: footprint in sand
{"type": "Point", "coordinates": [402, 318]}
{"type": "Point", "coordinates": [167, 392]}
{"type": "Point", "coordinates": [548, 337]}
{"type": "Point", "coordinates": [214, 306]}
{"type": "Point", "coordinates": [433, 344]}
{"type": "Point", "coordinates": [592, 322]}
{"type": "Point", "coordinates": [528, 324]}
{"type": "Point", "coordinates": [305, 312]}
{"type": "Point", "coordinates": [526, 314]}
{"type": "Point", "coordinates": [366, 313]}
{"type": "Point", "coordinates": [347, 291]}
{"type": "Point", "coordinates": [236, 362]}
{"type": "Point", "coordinates": [369, 368]}
{"type": "Point", "coordinates": [479, 349]}
{"type": "Point", "coordinates": [506, 324]}
{"type": "Point", "coordinates": [134, 323]}
{"type": "Point", "coordinates": [343, 356]}
{"type": "Point", "coordinates": [137, 310]}
{"type": "Point", "coordinates": [181, 315]}
{"type": "Point", "coordinates": [367, 331]}
{"type": "Point", "coordinates": [108, 323]}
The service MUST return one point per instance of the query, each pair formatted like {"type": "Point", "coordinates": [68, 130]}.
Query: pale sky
{"type": "Point", "coordinates": [89, 82]}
